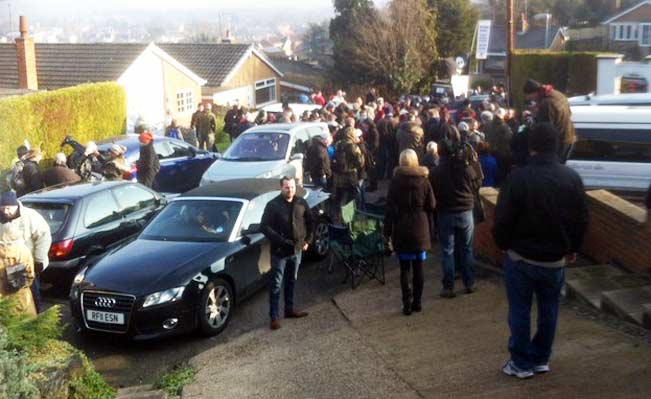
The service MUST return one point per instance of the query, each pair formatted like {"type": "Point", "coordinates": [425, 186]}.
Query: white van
{"type": "Point", "coordinates": [613, 149]}
{"type": "Point", "coordinates": [628, 99]}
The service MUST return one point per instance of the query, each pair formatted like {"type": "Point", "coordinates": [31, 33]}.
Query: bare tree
{"type": "Point", "coordinates": [397, 47]}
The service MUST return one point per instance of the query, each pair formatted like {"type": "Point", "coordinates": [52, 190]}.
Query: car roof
{"type": "Point", "coordinates": [284, 127]}
{"type": "Point", "coordinates": [237, 188]}
{"type": "Point", "coordinates": [72, 191]}
{"type": "Point", "coordinates": [615, 116]}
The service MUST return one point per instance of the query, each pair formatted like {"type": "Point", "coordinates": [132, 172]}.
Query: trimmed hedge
{"type": "Point", "coordinates": [87, 112]}
{"type": "Point", "coordinates": [572, 73]}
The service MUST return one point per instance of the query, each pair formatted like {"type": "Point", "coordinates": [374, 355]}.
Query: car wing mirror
{"type": "Point", "coordinates": [246, 240]}
{"type": "Point", "coordinates": [297, 157]}
{"type": "Point", "coordinates": [193, 152]}
{"type": "Point", "coordinates": [253, 228]}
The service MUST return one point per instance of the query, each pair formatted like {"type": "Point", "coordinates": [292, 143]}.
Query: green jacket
{"type": "Point", "coordinates": [349, 160]}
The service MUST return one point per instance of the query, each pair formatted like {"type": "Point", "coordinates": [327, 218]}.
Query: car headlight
{"type": "Point", "coordinates": [265, 175]}
{"type": "Point", "coordinates": [157, 298]}
{"type": "Point", "coordinates": [79, 278]}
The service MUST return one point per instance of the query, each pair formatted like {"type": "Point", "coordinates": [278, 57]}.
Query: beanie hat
{"type": "Point", "coordinates": [463, 127]}
{"type": "Point", "coordinates": [531, 86]}
{"type": "Point", "coordinates": [146, 137]}
{"type": "Point", "coordinates": [8, 199]}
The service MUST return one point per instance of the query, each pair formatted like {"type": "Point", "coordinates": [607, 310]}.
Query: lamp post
{"type": "Point", "coordinates": [510, 45]}
{"type": "Point", "coordinates": [547, 17]}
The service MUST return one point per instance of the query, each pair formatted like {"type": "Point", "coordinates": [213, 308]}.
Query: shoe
{"type": "Point", "coordinates": [416, 307]}
{"type": "Point", "coordinates": [448, 293]}
{"type": "Point", "coordinates": [295, 314]}
{"type": "Point", "coordinates": [471, 289]}
{"type": "Point", "coordinates": [510, 369]}
{"type": "Point", "coordinates": [541, 368]}
{"type": "Point", "coordinates": [406, 310]}
{"type": "Point", "coordinates": [274, 325]}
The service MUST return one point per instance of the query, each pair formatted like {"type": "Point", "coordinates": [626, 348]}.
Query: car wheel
{"type": "Point", "coordinates": [321, 241]}
{"type": "Point", "coordinates": [216, 307]}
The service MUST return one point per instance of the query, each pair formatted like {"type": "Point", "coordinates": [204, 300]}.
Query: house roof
{"type": "Point", "coordinates": [63, 65]}
{"type": "Point", "coordinates": [534, 38]}
{"type": "Point", "coordinates": [646, 17]}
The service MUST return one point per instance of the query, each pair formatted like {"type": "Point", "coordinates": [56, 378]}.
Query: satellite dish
{"type": "Point", "coordinates": [460, 62]}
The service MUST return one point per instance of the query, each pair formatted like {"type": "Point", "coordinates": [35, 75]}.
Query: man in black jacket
{"type": "Point", "coordinates": [455, 183]}
{"type": "Point", "coordinates": [318, 161]}
{"type": "Point", "coordinates": [287, 223]}
{"type": "Point", "coordinates": [31, 173]}
{"type": "Point", "coordinates": [540, 221]}
{"type": "Point", "coordinates": [148, 163]}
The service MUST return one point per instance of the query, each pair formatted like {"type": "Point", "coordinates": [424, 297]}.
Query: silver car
{"type": "Point", "coordinates": [266, 151]}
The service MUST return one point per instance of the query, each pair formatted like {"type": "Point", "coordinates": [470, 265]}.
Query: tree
{"type": "Point", "coordinates": [396, 48]}
{"type": "Point", "coordinates": [342, 30]}
{"type": "Point", "coordinates": [455, 26]}
{"type": "Point", "coordinates": [317, 41]}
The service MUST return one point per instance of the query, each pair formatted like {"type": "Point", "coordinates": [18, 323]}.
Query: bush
{"type": "Point", "coordinates": [569, 72]}
{"type": "Point", "coordinates": [14, 372]}
{"type": "Point", "coordinates": [90, 384]}
{"type": "Point", "coordinates": [173, 382]}
{"type": "Point", "coordinates": [26, 333]}
{"type": "Point", "coordinates": [88, 112]}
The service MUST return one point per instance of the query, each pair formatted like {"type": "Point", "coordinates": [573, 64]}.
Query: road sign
{"type": "Point", "coordinates": [483, 38]}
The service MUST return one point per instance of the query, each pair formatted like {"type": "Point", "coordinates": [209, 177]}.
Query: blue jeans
{"type": "Point", "coordinates": [283, 270]}
{"type": "Point", "coordinates": [522, 281]}
{"type": "Point", "coordinates": [455, 237]}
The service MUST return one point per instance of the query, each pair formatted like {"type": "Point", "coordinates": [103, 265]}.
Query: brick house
{"type": "Point", "coordinates": [629, 31]}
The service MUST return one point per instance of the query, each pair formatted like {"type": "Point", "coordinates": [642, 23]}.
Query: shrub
{"type": "Point", "coordinates": [26, 333]}
{"type": "Point", "coordinates": [90, 384]}
{"type": "Point", "coordinates": [569, 72]}
{"type": "Point", "coordinates": [88, 112]}
{"type": "Point", "coordinates": [14, 372]}
{"type": "Point", "coordinates": [173, 382]}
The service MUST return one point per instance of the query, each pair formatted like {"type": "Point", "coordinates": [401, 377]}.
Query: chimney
{"type": "Point", "coordinates": [524, 24]}
{"type": "Point", "coordinates": [615, 6]}
{"type": "Point", "coordinates": [26, 54]}
{"type": "Point", "coordinates": [227, 38]}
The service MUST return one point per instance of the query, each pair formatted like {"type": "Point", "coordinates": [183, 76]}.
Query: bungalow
{"type": "Point", "coordinates": [161, 80]}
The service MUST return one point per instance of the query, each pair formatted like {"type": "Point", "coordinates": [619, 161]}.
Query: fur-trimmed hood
{"type": "Point", "coordinates": [417, 171]}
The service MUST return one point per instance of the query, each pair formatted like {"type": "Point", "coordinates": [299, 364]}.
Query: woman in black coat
{"type": "Point", "coordinates": [410, 204]}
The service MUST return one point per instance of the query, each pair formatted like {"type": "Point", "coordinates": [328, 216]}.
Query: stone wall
{"type": "Point", "coordinates": [619, 232]}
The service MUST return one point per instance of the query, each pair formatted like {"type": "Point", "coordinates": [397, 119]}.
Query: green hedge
{"type": "Point", "coordinates": [87, 112]}
{"type": "Point", "coordinates": [572, 73]}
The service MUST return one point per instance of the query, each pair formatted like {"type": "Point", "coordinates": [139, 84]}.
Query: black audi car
{"type": "Point", "coordinates": [86, 219]}
{"type": "Point", "coordinates": [188, 268]}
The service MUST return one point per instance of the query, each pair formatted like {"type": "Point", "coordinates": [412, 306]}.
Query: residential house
{"type": "Point", "coordinates": [162, 81]}
{"type": "Point", "coordinates": [629, 31]}
{"type": "Point", "coordinates": [527, 37]}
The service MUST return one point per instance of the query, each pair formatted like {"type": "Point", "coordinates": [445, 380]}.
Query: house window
{"type": "Point", "coordinates": [645, 34]}
{"type": "Point", "coordinates": [184, 100]}
{"type": "Point", "coordinates": [624, 32]}
{"type": "Point", "coordinates": [265, 91]}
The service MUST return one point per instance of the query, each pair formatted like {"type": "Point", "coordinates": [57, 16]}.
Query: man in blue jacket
{"type": "Point", "coordinates": [540, 222]}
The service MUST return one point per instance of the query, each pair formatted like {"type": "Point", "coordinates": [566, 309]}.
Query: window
{"type": "Point", "coordinates": [54, 214]}
{"type": "Point", "coordinates": [624, 32]}
{"type": "Point", "coordinates": [633, 84]}
{"type": "Point", "coordinates": [265, 91]}
{"type": "Point", "coordinates": [169, 150]}
{"type": "Point", "coordinates": [133, 198]}
{"type": "Point", "coordinates": [101, 209]}
{"type": "Point", "coordinates": [608, 145]}
{"type": "Point", "coordinates": [301, 141]}
{"type": "Point", "coordinates": [184, 100]}
{"type": "Point", "coordinates": [645, 34]}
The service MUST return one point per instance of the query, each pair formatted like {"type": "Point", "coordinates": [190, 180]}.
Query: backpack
{"type": "Point", "coordinates": [15, 179]}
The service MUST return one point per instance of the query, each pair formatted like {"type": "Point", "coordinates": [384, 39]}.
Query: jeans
{"type": "Point", "coordinates": [36, 293]}
{"type": "Point", "coordinates": [455, 237]}
{"type": "Point", "coordinates": [522, 281]}
{"type": "Point", "coordinates": [283, 270]}
{"type": "Point", "coordinates": [410, 297]}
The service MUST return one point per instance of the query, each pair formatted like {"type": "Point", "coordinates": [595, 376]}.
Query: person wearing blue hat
{"type": "Point", "coordinates": [33, 229]}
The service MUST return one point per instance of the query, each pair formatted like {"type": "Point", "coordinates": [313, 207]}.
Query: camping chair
{"type": "Point", "coordinates": [358, 245]}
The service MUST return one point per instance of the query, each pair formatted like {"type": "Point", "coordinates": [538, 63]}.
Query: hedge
{"type": "Point", "coordinates": [87, 112]}
{"type": "Point", "coordinates": [572, 73]}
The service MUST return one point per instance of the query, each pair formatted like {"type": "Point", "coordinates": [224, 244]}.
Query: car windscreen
{"type": "Point", "coordinates": [54, 214]}
{"type": "Point", "coordinates": [194, 220]}
{"type": "Point", "coordinates": [263, 146]}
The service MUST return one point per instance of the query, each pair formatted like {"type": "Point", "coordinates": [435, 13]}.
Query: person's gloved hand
{"type": "Point", "coordinates": [38, 267]}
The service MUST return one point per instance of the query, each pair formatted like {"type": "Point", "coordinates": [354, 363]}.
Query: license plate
{"type": "Point", "coordinates": [104, 317]}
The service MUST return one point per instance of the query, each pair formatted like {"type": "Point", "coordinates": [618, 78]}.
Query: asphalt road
{"type": "Point", "coordinates": [124, 363]}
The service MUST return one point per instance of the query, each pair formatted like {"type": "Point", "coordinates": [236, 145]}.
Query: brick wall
{"type": "Point", "coordinates": [26, 55]}
{"type": "Point", "coordinates": [618, 232]}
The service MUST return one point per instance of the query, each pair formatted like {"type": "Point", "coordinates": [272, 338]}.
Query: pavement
{"type": "Point", "coordinates": [360, 345]}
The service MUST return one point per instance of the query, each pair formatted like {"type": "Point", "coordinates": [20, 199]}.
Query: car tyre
{"type": "Point", "coordinates": [216, 307]}
{"type": "Point", "coordinates": [320, 247]}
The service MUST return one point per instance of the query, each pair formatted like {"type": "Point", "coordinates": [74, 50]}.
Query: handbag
{"type": "Point", "coordinates": [16, 277]}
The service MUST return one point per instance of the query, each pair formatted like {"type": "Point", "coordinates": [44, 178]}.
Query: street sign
{"type": "Point", "coordinates": [483, 38]}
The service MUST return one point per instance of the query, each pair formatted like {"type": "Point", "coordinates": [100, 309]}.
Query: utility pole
{"type": "Point", "coordinates": [510, 45]}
